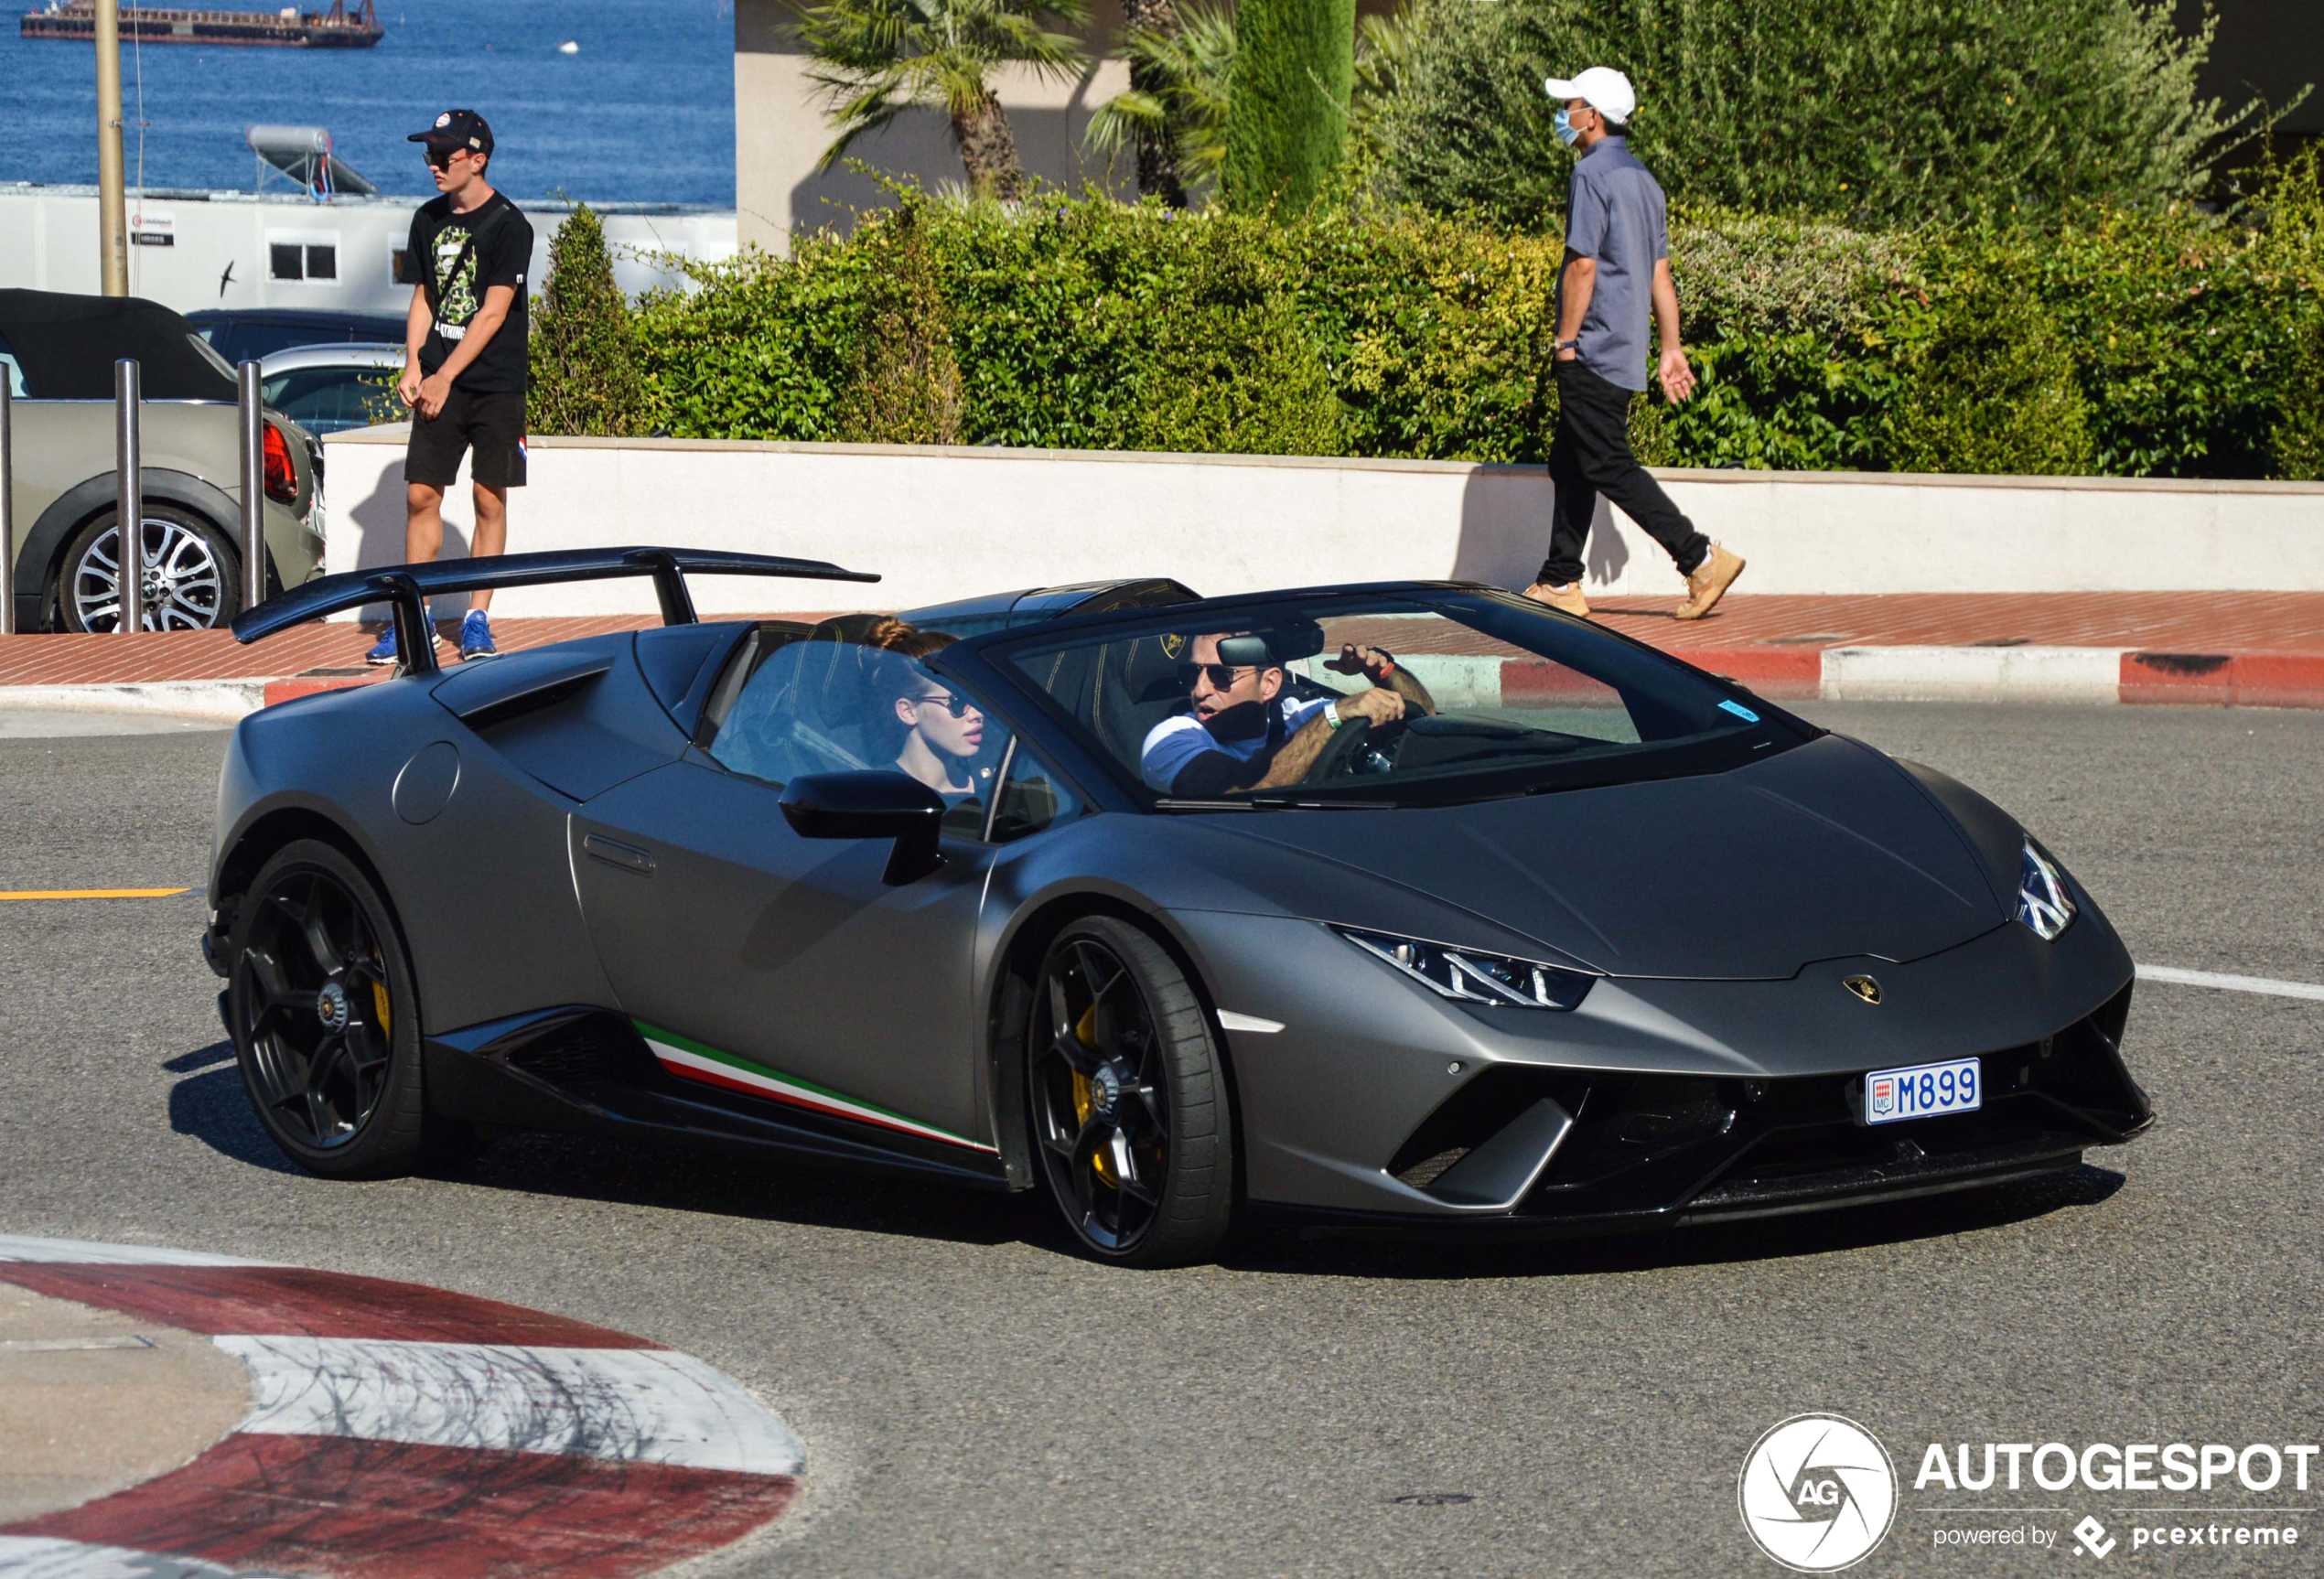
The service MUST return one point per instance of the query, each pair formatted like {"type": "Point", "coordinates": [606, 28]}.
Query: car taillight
{"type": "Point", "coordinates": [281, 480]}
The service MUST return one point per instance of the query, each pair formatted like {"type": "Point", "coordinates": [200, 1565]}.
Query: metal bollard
{"type": "Point", "coordinates": [7, 508]}
{"type": "Point", "coordinates": [253, 446]}
{"type": "Point", "coordinates": [129, 498]}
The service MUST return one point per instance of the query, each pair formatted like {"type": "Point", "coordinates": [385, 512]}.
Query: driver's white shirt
{"type": "Point", "coordinates": [1181, 738]}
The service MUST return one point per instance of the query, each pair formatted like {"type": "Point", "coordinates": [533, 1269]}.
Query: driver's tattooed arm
{"type": "Point", "coordinates": [1380, 705]}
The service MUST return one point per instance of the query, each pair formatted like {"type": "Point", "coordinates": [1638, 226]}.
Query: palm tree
{"type": "Point", "coordinates": [878, 59]}
{"type": "Point", "coordinates": [1175, 113]}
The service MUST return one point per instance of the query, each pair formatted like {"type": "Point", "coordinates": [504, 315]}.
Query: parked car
{"type": "Point", "coordinates": [253, 334]}
{"type": "Point", "coordinates": [59, 350]}
{"type": "Point", "coordinates": [326, 389]}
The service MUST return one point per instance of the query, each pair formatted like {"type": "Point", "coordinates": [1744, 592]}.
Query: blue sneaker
{"type": "Point", "coordinates": [476, 638]}
{"type": "Point", "coordinates": [384, 653]}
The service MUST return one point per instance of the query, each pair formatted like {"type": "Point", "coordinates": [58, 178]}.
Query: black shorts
{"type": "Point", "coordinates": [492, 424]}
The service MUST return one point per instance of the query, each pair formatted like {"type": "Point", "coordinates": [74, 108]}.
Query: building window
{"type": "Point", "coordinates": [302, 260]}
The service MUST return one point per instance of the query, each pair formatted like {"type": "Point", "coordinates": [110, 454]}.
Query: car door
{"type": "Point", "coordinates": [762, 961]}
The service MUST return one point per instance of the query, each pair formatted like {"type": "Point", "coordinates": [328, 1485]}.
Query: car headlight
{"type": "Point", "coordinates": [2043, 903]}
{"type": "Point", "coordinates": [1475, 977]}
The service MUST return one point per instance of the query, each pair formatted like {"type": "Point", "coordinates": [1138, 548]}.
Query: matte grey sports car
{"type": "Point", "coordinates": [1405, 905]}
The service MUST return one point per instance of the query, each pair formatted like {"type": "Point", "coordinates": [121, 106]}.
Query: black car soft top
{"type": "Point", "coordinates": [406, 588]}
{"type": "Point", "coordinates": [67, 345]}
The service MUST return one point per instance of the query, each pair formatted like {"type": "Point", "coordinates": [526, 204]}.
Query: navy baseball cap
{"type": "Point", "coordinates": [456, 129]}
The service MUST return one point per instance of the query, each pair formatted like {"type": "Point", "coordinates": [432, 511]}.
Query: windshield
{"type": "Point", "coordinates": [1404, 699]}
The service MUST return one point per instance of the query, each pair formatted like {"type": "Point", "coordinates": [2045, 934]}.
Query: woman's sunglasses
{"type": "Point", "coordinates": [958, 707]}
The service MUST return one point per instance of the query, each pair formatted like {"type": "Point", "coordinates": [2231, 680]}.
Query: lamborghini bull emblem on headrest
{"type": "Point", "coordinates": [1173, 646]}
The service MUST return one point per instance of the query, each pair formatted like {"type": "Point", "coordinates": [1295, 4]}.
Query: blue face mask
{"type": "Point", "coordinates": [1565, 132]}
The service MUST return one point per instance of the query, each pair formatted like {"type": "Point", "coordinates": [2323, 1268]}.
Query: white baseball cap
{"type": "Point", "coordinates": [1607, 91]}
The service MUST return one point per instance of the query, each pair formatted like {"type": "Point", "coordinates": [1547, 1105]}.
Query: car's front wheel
{"type": "Point", "coordinates": [326, 1016]}
{"type": "Point", "coordinates": [191, 573]}
{"type": "Point", "coordinates": [1129, 1101]}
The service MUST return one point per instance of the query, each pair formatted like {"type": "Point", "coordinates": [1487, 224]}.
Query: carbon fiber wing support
{"type": "Point", "coordinates": [405, 589]}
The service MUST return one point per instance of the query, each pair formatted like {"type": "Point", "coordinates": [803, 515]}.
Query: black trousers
{"type": "Point", "coordinates": [1590, 454]}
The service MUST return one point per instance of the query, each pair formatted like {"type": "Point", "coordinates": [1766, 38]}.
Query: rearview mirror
{"type": "Point", "coordinates": [870, 805]}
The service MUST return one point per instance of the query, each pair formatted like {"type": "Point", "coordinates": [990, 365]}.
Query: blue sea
{"type": "Point", "coordinates": [644, 112]}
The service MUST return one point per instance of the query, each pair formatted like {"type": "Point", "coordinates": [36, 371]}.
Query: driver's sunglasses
{"type": "Point", "coordinates": [1220, 675]}
{"type": "Point", "coordinates": [441, 158]}
{"type": "Point", "coordinates": [958, 707]}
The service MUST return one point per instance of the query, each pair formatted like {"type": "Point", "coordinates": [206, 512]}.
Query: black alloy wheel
{"type": "Point", "coordinates": [1129, 1099]}
{"type": "Point", "coordinates": [324, 1016]}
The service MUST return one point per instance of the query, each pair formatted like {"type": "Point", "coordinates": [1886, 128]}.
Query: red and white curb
{"type": "Point", "coordinates": [2100, 675]}
{"type": "Point", "coordinates": [401, 1431]}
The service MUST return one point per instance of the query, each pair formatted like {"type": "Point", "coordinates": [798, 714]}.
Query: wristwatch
{"type": "Point", "coordinates": [1575, 344]}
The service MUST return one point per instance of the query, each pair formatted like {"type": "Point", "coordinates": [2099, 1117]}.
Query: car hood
{"type": "Point", "coordinates": [1826, 851]}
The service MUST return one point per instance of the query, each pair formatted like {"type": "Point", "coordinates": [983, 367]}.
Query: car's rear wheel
{"type": "Point", "coordinates": [326, 1016]}
{"type": "Point", "coordinates": [1129, 1101]}
{"type": "Point", "coordinates": [193, 574]}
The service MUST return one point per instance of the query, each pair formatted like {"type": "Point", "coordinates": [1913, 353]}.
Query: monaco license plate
{"type": "Point", "coordinates": [1923, 1091]}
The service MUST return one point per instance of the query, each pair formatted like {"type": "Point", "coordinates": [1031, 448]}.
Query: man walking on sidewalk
{"type": "Point", "coordinates": [1617, 268]}
{"type": "Point", "coordinates": [466, 358]}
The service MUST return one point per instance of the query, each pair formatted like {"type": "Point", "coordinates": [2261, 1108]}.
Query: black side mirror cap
{"type": "Point", "coordinates": [870, 805]}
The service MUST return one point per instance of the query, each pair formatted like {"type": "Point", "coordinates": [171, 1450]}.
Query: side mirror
{"type": "Point", "coordinates": [871, 805]}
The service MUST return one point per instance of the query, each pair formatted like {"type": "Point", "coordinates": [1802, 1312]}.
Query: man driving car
{"type": "Point", "coordinates": [1240, 732]}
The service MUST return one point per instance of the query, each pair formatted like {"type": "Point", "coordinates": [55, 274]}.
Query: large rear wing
{"type": "Point", "coordinates": [405, 589]}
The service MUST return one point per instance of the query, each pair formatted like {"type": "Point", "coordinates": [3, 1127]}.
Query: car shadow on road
{"type": "Point", "coordinates": [671, 1176]}
{"type": "Point", "coordinates": [210, 1105]}
{"type": "Point", "coordinates": [1412, 1255]}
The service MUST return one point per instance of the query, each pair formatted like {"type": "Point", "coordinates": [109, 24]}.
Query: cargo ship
{"type": "Point", "coordinates": [337, 28]}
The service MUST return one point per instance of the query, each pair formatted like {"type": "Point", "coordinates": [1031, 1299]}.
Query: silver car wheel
{"type": "Point", "coordinates": [185, 584]}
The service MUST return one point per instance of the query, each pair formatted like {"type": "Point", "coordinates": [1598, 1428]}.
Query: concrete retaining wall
{"type": "Point", "coordinates": [941, 523]}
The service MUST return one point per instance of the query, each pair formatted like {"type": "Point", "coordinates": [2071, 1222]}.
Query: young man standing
{"type": "Point", "coordinates": [1617, 269]}
{"type": "Point", "coordinates": [465, 359]}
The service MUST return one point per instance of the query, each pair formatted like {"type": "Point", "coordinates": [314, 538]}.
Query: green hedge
{"type": "Point", "coordinates": [2169, 343]}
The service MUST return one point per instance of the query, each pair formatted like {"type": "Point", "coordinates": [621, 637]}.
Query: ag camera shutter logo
{"type": "Point", "coordinates": [1818, 1492]}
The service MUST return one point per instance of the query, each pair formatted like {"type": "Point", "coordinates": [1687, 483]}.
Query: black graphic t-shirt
{"type": "Point", "coordinates": [456, 276]}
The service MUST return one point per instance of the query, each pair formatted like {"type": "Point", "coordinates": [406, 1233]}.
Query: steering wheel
{"type": "Point", "coordinates": [1356, 747]}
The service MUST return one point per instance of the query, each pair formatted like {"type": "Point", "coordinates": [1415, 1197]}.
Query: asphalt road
{"type": "Point", "coordinates": [974, 1400]}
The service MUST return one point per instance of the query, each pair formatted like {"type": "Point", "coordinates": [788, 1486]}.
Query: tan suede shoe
{"type": "Point", "coordinates": [1709, 584]}
{"type": "Point", "coordinates": [1566, 599]}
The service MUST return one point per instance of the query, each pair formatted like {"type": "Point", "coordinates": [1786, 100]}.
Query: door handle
{"type": "Point", "coordinates": [613, 853]}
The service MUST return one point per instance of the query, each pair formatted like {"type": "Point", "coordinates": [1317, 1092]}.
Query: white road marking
{"type": "Point", "coordinates": [2265, 984]}
{"type": "Point", "coordinates": [652, 1406]}
{"type": "Point", "coordinates": [24, 1246]}
{"type": "Point", "coordinates": [39, 1557]}
{"type": "Point", "coordinates": [1230, 1020]}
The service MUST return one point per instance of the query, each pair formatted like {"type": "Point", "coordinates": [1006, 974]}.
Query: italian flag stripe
{"type": "Point", "coordinates": [692, 1061]}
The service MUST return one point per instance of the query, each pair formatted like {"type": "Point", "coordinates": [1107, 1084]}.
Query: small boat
{"type": "Point", "coordinates": [568, 48]}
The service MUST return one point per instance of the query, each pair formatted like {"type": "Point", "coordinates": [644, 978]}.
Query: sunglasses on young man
{"type": "Point", "coordinates": [441, 158]}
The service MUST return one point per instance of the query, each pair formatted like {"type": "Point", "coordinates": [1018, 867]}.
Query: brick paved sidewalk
{"type": "Point", "coordinates": [2238, 646]}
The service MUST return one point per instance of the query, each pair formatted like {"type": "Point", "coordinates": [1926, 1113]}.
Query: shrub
{"type": "Point", "coordinates": [1880, 111]}
{"type": "Point", "coordinates": [585, 377]}
{"type": "Point", "coordinates": [1294, 68]}
{"type": "Point", "coordinates": [2132, 343]}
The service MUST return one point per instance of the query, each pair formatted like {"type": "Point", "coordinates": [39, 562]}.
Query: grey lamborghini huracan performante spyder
{"type": "Point", "coordinates": [1409, 905]}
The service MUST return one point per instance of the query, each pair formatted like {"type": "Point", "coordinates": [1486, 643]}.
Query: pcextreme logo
{"type": "Point", "coordinates": [1817, 1493]}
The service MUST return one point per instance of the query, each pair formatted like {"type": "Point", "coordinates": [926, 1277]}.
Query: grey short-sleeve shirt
{"type": "Point", "coordinates": [1615, 214]}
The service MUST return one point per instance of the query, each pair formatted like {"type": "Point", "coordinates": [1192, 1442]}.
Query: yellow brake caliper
{"type": "Point", "coordinates": [1085, 1033]}
{"type": "Point", "coordinates": [379, 1006]}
